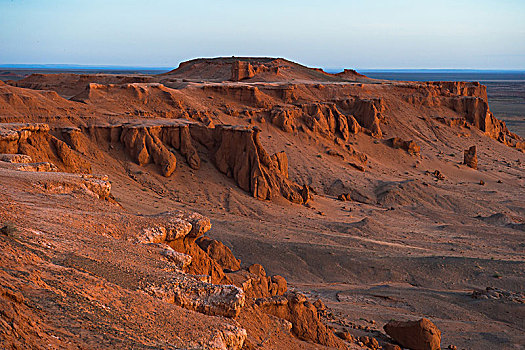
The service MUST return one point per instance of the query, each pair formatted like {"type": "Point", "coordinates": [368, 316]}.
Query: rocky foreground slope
{"type": "Point", "coordinates": [364, 200]}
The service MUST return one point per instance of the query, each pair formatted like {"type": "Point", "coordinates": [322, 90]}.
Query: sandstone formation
{"type": "Point", "coordinates": [295, 308]}
{"type": "Point", "coordinates": [256, 284]}
{"type": "Point", "coordinates": [415, 335]}
{"type": "Point", "coordinates": [238, 153]}
{"type": "Point", "coordinates": [207, 298]}
{"type": "Point", "coordinates": [242, 70]}
{"type": "Point", "coordinates": [235, 150]}
{"type": "Point", "coordinates": [470, 158]}
{"type": "Point", "coordinates": [220, 253]}
{"type": "Point", "coordinates": [35, 141]}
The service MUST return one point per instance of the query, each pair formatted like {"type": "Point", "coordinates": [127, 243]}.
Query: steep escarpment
{"type": "Point", "coordinates": [238, 153]}
{"type": "Point", "coordinates": [468, 100]}
{"type": "Point", "coordinates": [235, 150]}
{"type": "Point", "coordinates": [34, 140]}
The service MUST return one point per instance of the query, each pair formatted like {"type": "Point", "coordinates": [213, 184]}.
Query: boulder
{"type": "Point", "coordinates": [415, 335]}
{"type": "Point", "coordinates": [256, 284]}
{"type": "Point", "coordinates": [257, 269]}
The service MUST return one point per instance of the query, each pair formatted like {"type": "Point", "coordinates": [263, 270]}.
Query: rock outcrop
{"type": "Point", "coordinates": [470, 158]}
{"type": "Point", "coordinates": [35, 140]}
{"type": "Point", "coordinates": [237, 152]}
{"type": "Point", "coordinates": [303, 315]}
{"type": "Point", "coordinates": [256, 284]}
{"type": "Point", "coordinates": [415, 335]}
{"type": "Point", "coordinates": [207, 298]}
{"type": "Point", "coordinates": [242, 70]}
{"type": "Point", "coordinates": [220, 253]}
{"type": "Point", "coordinates": [147, 141]}
{"type": "Point", "coordinates": [467, 99]}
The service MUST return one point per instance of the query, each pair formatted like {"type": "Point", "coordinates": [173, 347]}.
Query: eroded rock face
{"type": "Point", "coordinates": [469, 100]}
{"type": "Point", "coordinates": [303, 315]}
{"type": "Point", "coordinates": [256, 284]}
{"type": "Point", "coordinates": [470, 158]}
{"type": "Point", "coordinates": [242, 70]}
{"type": "Point", "coordinates": [331, 119]}
{"type": "Point", "coordinates": [237, 152]}
{"type": "Point", "coordinates": [35, 141]}
{"type": "Point", "coordinates": [415, 335]}
{"type": "Point", "coordinates": [149, 141]}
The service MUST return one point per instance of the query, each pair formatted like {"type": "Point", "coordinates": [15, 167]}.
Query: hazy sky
{"type": "Point", "coordinates": [330, 34]}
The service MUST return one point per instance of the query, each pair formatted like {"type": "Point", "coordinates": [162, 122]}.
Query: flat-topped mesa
{"type": "Point", "coordinates": [252, 69]}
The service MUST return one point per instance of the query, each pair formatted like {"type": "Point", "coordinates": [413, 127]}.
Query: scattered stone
{"type": "Point", "coordinates": [438, 175]}
{"type": "Point", "coordinates": [499, 294]}
{"type": "Point", "coordinates": [370, 342]}
{"type": "Point", "coordinates": [334, 153]}
{"type": "Point", "coordinates": [345, 336]}
{"type": "Point", "coordinates": [344, 197]}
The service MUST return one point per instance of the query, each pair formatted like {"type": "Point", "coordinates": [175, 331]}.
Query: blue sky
{"type": "Point", "coordinates": [329, 34]}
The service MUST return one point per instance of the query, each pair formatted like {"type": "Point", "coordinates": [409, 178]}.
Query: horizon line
{"type": "Point", "coordinates": [326, 69]}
